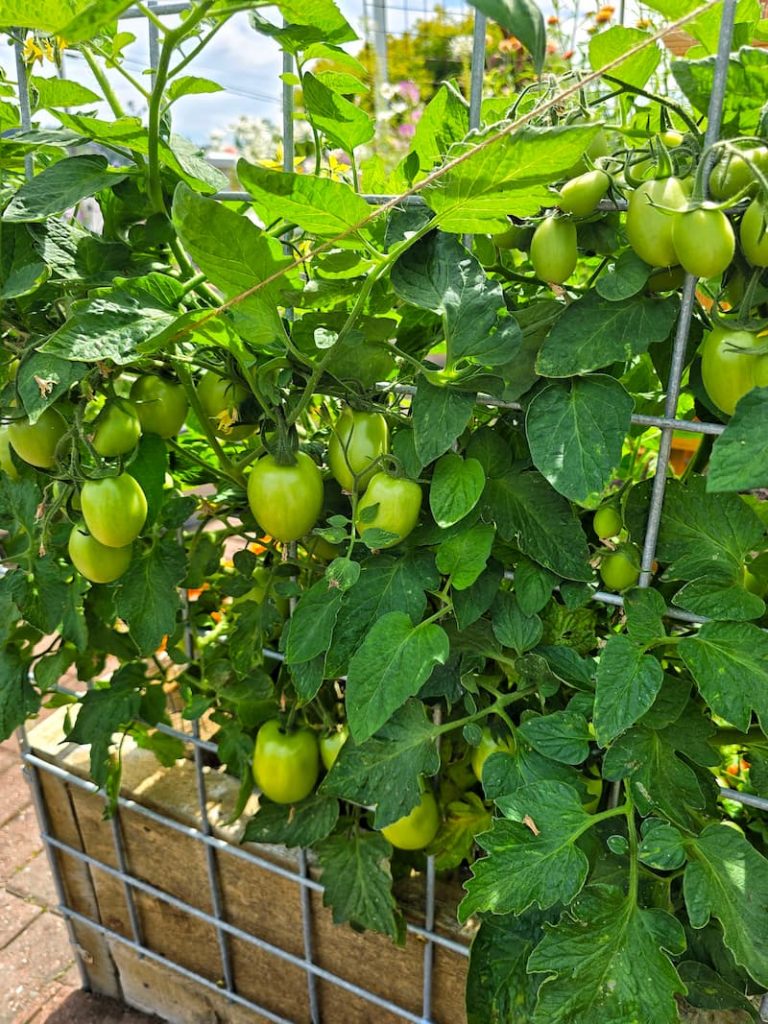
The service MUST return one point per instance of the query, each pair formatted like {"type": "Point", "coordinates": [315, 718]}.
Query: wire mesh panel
{"type": "Point", "coordinates": [217, 854]}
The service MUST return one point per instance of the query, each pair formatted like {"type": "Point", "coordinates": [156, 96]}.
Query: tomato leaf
{"type": "Point", "coordinates": [318, 205]}
{"type": "Point", "coordinates": [644, 609]}
{"type": "Point", "coordinates": [728, 878]}
{"type": "Point", "coordinates": [729, 662]}
{"type": "Point", "coordinates": [740, 455]}
{"type": "Point", "coordinates": [61, 186]}
{"type": "Point", "coordinates": [720, 596]}
{"type": "Point", "coordinates": [746, 81]}
{"type": "Point", "coordinates": [533, 586]}
{"type": "Point", "coordinates": [470, 604]}
{"type": "Point", "coordinates": [627, 684]}
{"type": "Point", "coordinates": [595, 332]}
{"type": "Point", "coordinates": [661, 781]}
{"type": "Point", "coordinates": [342, 123]}
{"type": "Point", "coordinates": [235, 255]}
{"type": "Point", "coordinates": [510, 175]}
{"type": "Point", "coordinates": [445, 120]}
{"type": "Point", "coordinates": [455, 840]}
{"type": "Point", "coordinates": [106, 711]}
{"type": "Point", "coordinates": [147, 597]}
{"type": "Point", "coordinates": [532, 853]}
{"type": "Point", "coordinates": [499, 987]}
{"type": "Point", "coordinates": [439, 416]}
{"type": "Point", "coordinates": [607, 46]}
{"type": "Point", "coordinates": [312, 623]}
{"type": "Point", "coordinates": [600, 958]}
{"type": "Point", "coordinates": [626, 278]}
{"type": "Point", "coordinates": [390, 665]}
{"type": "Point", "coordinates": [384, 772]}
{"type": "Point", "coordinates": [511, 626]}
{"type": "Point", "coordinates": [306, 22]}
{"type": "Point", "coordinates": [539, 521]}
{"type": "Point", "coordinates": [463, 557]}
{"type": "Point", "coordinates": [662, 845]}
{"type": "Point", "coordinates": [21, 268]}
{"type": "Point", "coordinates": [386, 584]}
{"type": "Point", "coordinates": [522, 19]}
{"type": "Point", "coordinates": [18, 698]}
{"type": "Point", "coordinates": [302, 824]}
{"type": "Point", "coordinates": [456, 487]}
{"type": "Point", "coordinates": [576, 432]}
{"type": "Point", "coordinates": [561, 735]}
{"type": "Point", "coordinates": [358, 882]}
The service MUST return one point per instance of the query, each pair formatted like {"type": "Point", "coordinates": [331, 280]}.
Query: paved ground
{"type": "Point", "coordinates": [39, 982]}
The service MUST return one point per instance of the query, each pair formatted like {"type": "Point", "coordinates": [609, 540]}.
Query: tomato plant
{"type": "Point", "coordinates": [418, 564]}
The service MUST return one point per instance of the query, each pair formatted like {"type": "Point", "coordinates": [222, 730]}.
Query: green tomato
{"type": "Point", "coordinates": [554, 250]}
{"type": "Point", "coordinates": [667, 280]}
{"type": "Point", "coordinates": [117, 428]}
{"type": "Point", "coordinates": [620, 569]}
{"type": "Point", "coordinates": [517, 236]}
{"type": "Point", "coordinates": [6, 462]}
{"type": "Point", "coordinates": [286, 500]}
{"type": "Point", "coordinates": [161, 404]}
{"type": "Point", "coordinates": [581, 195]}
{"type": "Point", "coordinates": [320, 548]}
{"type": "Point", "coordinates": [330, 746]}
{"type": "Point", "coordinates": [728, 370]}
{"type": "Point", "coordinates": [358, 439]}
{"type": "Point", "coordinates": [285, 764]}
{"type": "Point", "coordinates": [114, 509]}
{"type": "Point", "coordinates": [37, 443]}
{"type": "Point", "coordinates": [399, 504]}
{"type": "Point", "coordinates": [649, 230]}
{"type": "Point", "coordinates": [417, 829]}
{"type": "Point", "coordinates": [753, 234]}
{"type": "Point", "coordinates": [607, 522]}
{"type": "Point", "coordinates": [97, 562]}
{"type": "Point", "coordinates": [732, 174]}
{"type": "Point", "coordinates": [704, 242]}
{"type": "Point", "coordinates": [221, 400]}
{"type": "Point", "coordinates": [489, 745]}
{"type": "Point", "coordinates": [599, 146]}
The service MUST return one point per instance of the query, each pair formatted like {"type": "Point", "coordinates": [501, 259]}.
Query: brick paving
{"type": "Point", "coordinates": [39, 981]}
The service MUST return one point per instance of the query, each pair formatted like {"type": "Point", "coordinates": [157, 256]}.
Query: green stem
{"type": "Point", "coordinates": [171, 41]}
{"type": "Point", "coordinates": [115, 65]}
{"type": "Point", "coordinates": [355, 313]}
{"type": "Point", "coordinates": [186, 380]}
{"type": "Point", "coordinates": [492, 709]}
{"type": "Point", "coordinates": [629, 810]}
{"type": "Point", "coordinates": [101, 78]}
{"type": "Point", "coordinates": [204, 40]}
{"type": "Point", "coordinates": [151, 16]}
{"type": "Point", "coordinates": [188, 271]}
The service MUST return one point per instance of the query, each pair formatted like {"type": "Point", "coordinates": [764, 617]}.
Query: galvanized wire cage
{"type": "Point", "coordinates": [215, 848]}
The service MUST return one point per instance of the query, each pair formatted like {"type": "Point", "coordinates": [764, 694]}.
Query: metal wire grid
{"type": "Point", "coordinates": [225, 931]}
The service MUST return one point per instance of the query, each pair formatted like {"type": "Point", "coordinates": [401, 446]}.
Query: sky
{"type": "Point", "coordinates": [245, 63]}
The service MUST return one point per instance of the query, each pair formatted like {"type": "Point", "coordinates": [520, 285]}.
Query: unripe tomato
{"type": "Point", "coordinates": [598, 147]}
{"type": "Point", "coordinates": [704, 242]}
{"type": "Point", "coordinates": [667, 280]}
{"type": "Point", "coordinates": [331, 744]}
{"type": "Point", "coordinates": [417, 829]}
{"type": "Point", "coordinates": [649, 230]}
{"type": "Point", "coordinates": [358, 439]}
{"type": "Point", "coordinates": [607, 522]}
{"type": "Point", "coordinates": [489, 745]}
{"type": "Point", "coordinates": [286, 500]}
{"type": "Point", "coordinates": [399, 504]}
{"type": "Point", "coordinates": [320, 548]}
{"type": "Point", "coordinates": [36, 443]}
{"type": "Point", "coordinates": [620, 569]}
{"type": "Point", "coordinates": [581, 195]}
{"type": "Point", "coordinates": [554, 250]}
{"type": "Point", "coordinates": [732, 174]}
{"type": "Point", "coordinates": [285, 764]}
{"type": "Point", "coordinates": [221, 400]}
{"type": "Point", "coordinates": [162, 405]}
{"type": "Point", "coordinates": [753, 234]}
{"type": "Point", "coordinates": [6, 462]}
{"type": "Point", "coordinates": [517, 236]}
{"type": "Point", "coordinates": [114, 509]}
{"type": "Point", "coordinates": [728, 370]}
{"type": "Point", "coordinates": [262, 585]}
{"type": "Point", "coordinates": [97, 562]}
{"type": "Point", "coordinates": [117, 428]}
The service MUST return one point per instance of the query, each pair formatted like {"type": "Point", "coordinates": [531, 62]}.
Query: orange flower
{"type": "Point", "coordinates": [604, 14]}
{"type": "Point", "coordinates": [553, 20]}
{"type": "Point", "coordinates": [643, 23]}
{"type": "Point", "coordinates": [568, 55]}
